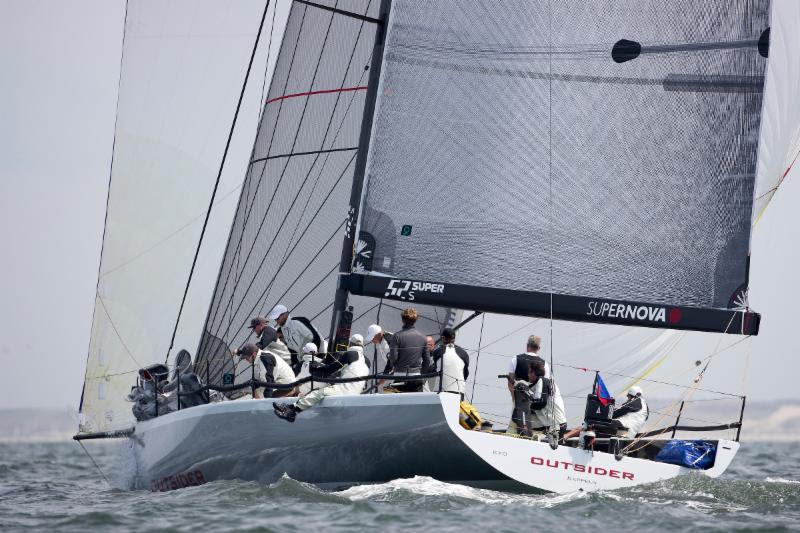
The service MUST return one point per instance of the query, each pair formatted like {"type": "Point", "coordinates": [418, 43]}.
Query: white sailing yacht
{"type": "Point", "coordinates": [600, 163]}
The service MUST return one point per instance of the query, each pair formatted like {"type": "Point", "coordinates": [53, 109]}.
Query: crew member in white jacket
{"type": "Point", "coordinates": [349, 364]}
{"type": "Point", "coordinates": [631, 416]}
{"type": "Point", "coordinates": [454, 363]}
{"type": "Point", "coordinates": [297, 332]}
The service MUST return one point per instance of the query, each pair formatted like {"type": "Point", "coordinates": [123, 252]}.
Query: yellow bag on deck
{"type": "Point", "coordinates": [468, 416]}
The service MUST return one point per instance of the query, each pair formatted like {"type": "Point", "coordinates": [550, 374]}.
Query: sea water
{"type": "Point", "coordinates": [55, 487]}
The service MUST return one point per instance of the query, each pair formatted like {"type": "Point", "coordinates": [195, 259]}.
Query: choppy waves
{"type": "Point", "coordinates": [54, 486]}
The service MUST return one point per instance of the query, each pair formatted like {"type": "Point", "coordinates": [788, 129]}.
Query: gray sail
{"type": "Point", "coordinates": [286, 238]}
{"type": "Point", "coordinates": [603, 153]}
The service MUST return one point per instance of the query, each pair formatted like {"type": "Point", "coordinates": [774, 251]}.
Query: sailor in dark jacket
{"type": "Point", "coordinates": [408, 353]}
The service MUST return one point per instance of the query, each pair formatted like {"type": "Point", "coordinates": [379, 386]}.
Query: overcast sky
{"type": "Point", "coordinates": [59, 67]}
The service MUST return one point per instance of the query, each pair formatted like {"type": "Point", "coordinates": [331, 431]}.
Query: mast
{"type": "Point", "coordinates": [340, 329]}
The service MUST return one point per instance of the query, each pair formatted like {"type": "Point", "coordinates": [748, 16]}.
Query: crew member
{"type": "Point", "coordinates": [269, 340]}
{"type": "Point", "coordinates": [382, 341]}
{"type": "Point", "coordinates": [268, 367]}
{"type": "Point", "coordinates": [519, 370]}
{"type": "Point", "coordinates": [631, 416]}
{"type": "Point", "coordinates": [296, 331]}
{"type": "Point", "coordinates": [454, 363]}
{"type": "Point", "coordinates": [546, 403]}
{"type": "Point", "coordinates": [519, 365]}
{"type": "Point", "coordinates": [349, 364]}
{"type": "Point", "coordinates": [408, 354]}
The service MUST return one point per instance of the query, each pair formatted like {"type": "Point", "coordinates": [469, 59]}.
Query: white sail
{"type": "Point", "coordinates": [182, 69]}
{"type": "Point", "coordinates": [779, 145]}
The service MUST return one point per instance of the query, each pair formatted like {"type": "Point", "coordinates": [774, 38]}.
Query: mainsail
{"type": "Point", "coordinates": [170, 131]}
{"type": "Point", "coordinates": [587, 163]}
{"type": "Point", "coordinates": [286, 239]}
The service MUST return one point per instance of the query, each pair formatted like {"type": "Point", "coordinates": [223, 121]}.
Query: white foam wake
{"type": "Point", "coordinates": [427, 486]}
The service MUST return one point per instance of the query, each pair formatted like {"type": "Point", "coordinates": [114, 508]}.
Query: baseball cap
{"type": "Point", "coordinates": [277, 311]}
{"type": "Point", "coordinates": [357, 340]}
{"type": "Point", "coordinates": [635, 391]}
{"type": "Point", "coordinates": [310, 347]}
{"type": "Point", "coordinates": [373, 330]}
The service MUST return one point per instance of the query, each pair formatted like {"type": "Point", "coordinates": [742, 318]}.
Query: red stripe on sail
{"type": "Point", "coordinates": [312, 93]}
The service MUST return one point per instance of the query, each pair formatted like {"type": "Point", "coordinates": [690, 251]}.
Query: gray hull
{"type": "Point", "coordinates": [343, 441]}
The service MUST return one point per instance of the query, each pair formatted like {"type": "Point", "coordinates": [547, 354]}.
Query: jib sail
{"type": "Point", "coordinates": [170, 130]}
{"type": "Point", "coordinates": [594, 162]}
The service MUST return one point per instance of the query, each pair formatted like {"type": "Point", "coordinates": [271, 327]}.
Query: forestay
{"type": "Point", "coordinates": [604, 153]}
{"type": "Point", "coordinates": [182, 69]}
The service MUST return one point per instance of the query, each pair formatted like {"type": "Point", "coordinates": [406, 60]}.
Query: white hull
{"type": "Point", "coordinates": [348, 440]}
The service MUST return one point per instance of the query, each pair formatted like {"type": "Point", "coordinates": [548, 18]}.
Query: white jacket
{"type": "Point", "coordinates": [634, 421]}
{"type": "Point", "coordinates": [280, 350]}
{"type": "Point", "coordinates": [452, 371]}
{"type": "Point", "coordinates": [356, 369]}
{"type": "Point", "coordinates": [296, 335]}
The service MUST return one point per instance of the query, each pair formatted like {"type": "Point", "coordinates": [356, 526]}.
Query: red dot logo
{"type": "Point", "coordinates": [674, 316]}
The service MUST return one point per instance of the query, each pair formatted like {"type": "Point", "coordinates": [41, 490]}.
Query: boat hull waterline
{"type": "Point", "coordinates": [351, 440]}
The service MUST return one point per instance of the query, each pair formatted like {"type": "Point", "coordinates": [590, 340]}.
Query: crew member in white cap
{"type": "Point", "coordinates": [309, 357]}
{"type": "Point", "coordinates": [349, 364]}
{"type": "Point", "coordinates": [631, 416]}
{"type": "Point", "coordinates": [297, 332]}
{"type": "Point", "coordinates": [382, 341]}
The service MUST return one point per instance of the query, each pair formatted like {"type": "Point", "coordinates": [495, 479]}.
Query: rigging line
{"type": "Point", "coordinates": [171, 235]}
{"type": "Point", "coordinates": [303, 299]}
{"type": "Point", "coordinates": [364, 313]}
{"type": "Point", "coordinates": [251, 204]}
{"type": "Point", "coordinates": [291, 149]}
{"type": "Point", "coordinates": [477, 358]}
{"type": "Point", "coordinates": [326, 308]}
{"type": "Point", "coordinates": [314, 93]}
{"type": "Point", "coordinates": [322, 144]}
{"type": "Point", "coordinates": [293, 249]}
{"type": "Point", "coordinates": [583, 369]}
{"type": "Point", "coordinates": [311, 262]}
{"type": "Point", "coordinates": [94, 463]}
{"type": "Point", "coordinates": [108, 191]}
{"type": "Point", "coordinates": [362, 18]}
{"type": "Point", "coordinates": [219, 176]}
{"type": "Point", "coordinates": [335, 137]}
{"type": "Point", "coordinates": [550, 176]}
{"type": "Point", "coordinates": [312, 152]}
{"type": "Point", "coordinates": [116, 332]}
{"type": "Point", "coordinates": [528, 324]}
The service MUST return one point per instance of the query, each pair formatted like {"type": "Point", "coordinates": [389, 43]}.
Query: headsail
{"type": "Point", "coordinates": [170, 131]}
{"type": "Point", "coordinates": [779, 148]}
{"type": "Point", "coordinates": [604, 154]}
{"type": "Point", "coordinates": [286, 239]}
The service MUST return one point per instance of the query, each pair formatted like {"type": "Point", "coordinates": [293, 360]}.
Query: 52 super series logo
{"type": "Point", "coordinates": [405, 289]}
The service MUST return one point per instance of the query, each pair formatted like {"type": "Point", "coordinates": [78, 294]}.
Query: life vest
{"type": "Point", "coordinates": [524, 363]}
{"type": "Point", "coordinates": [452, 371]}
